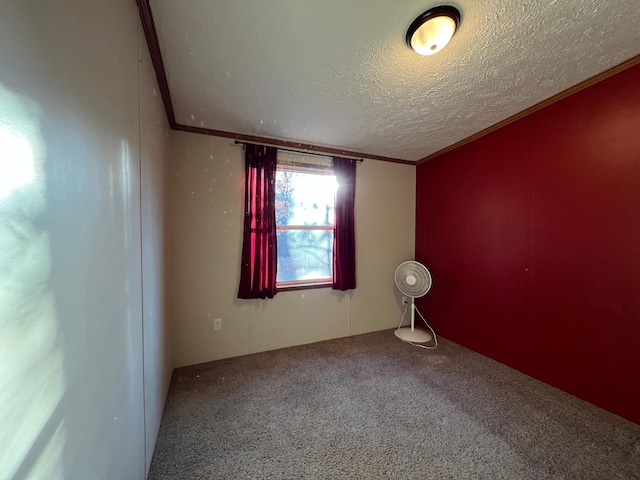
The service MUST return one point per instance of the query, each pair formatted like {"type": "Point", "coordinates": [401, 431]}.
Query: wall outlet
{"type": "Point", "coordinates": [405, 301]}
{"type": "Point", "coordinates": [217, 324]}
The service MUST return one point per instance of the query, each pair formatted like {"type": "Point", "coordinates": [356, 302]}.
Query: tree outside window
{"type": "Point", "coordinates": [305, 197]}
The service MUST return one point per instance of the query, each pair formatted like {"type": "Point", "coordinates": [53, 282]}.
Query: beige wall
{"type": "Point", "coordinates": [84, 362]}
{"type": "Point", "coordinates": [205, 192]}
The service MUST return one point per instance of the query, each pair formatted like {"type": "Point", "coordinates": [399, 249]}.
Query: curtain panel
{"type": "Point", "coordinates": [259, 244]}
{"type": "Point", "coordinates": [344, 245]}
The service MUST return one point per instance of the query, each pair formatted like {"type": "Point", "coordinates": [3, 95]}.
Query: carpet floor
{"type": "Point", "coordinates": [372, 407]}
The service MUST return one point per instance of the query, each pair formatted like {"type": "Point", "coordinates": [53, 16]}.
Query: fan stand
{"type": "Point", "coordinates": [412, 334]}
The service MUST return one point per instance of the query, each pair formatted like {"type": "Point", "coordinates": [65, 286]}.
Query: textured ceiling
{"type": "Point", "coordinates": [337, 73]}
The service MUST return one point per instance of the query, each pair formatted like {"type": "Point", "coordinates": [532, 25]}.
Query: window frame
{"type": "Point", "coordinates": [315, 169]}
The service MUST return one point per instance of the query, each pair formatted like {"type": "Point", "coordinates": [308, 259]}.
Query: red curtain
{"type": "Point", "coordinates": [259, 247]}
{"type": "Point", "coordinates": [344, 244]}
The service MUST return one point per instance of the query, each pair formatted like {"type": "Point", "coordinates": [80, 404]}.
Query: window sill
{"type": "Point", "coordinates": [302, 286]}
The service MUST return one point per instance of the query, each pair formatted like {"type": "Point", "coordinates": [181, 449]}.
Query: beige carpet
{"type": "Point", "coordinates": [372, 407]}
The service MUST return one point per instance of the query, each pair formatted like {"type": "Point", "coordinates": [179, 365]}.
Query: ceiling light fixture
{"type": "Point", "coordinates": [431, 31]}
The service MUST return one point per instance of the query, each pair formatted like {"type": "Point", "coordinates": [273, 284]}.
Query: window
{"type": "Point", "coordinates": [305, 219]}
{"type": "Point", "coordinates": [303, 236]}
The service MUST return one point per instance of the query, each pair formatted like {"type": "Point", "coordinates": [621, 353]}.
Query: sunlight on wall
{"type": "Point", "coordinates": [16, 162]}
{"type": "Point", "coordinates": [125, 161]}
{"type": "Point", "coordinates": [32, 434]}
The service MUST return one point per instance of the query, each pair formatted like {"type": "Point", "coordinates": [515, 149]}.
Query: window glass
{"type": "Point", "coordinates": [304, 222]}
{"type": "Point", "coordinates": [305, 255]}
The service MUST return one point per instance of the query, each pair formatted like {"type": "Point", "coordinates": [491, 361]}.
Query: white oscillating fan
{"type": "Point", "coordinates": [414, 281]}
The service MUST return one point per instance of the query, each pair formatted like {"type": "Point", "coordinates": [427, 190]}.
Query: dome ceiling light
{"type": "Point", "coordinates": [431, 31]}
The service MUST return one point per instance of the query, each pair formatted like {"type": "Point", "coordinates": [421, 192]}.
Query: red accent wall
{"type": "Point", "coordinates": [532, 235]}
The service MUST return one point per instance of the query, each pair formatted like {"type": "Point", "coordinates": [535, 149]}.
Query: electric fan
{"type": "Point", "coordinates": [414, 281]}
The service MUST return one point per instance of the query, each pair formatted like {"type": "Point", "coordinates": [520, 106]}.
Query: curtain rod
{"type": "Point", "coordinates": [302, 152]}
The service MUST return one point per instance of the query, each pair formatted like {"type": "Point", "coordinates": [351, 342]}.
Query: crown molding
{"type": "Point", "coordinates": [151, 35]}
{"type": "Point", "coordinates": [538, 106]}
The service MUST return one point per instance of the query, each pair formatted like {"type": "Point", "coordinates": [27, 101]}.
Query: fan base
{"type": "Point", "coordinates": [415, 336]}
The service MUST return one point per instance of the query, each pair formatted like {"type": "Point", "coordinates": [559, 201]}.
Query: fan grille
{"type": "Point", "coordinates": [413, 279]}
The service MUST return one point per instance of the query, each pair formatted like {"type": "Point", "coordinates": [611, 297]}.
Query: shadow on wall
{"type": "Point", "coordinates": [32, 381]}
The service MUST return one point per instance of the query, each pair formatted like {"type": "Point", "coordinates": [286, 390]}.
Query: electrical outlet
{"type": "Point", "coordinates": [217, 324]}
{"type": "Point", "coordinates": [405, 300]}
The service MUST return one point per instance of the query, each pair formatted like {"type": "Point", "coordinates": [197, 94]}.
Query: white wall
{"type": "Point", "coordinates": [75, 167]}
{"type": "Point", "coordinates": [205, 191]}
{"type": "Point", "coordinates": [156, 330]}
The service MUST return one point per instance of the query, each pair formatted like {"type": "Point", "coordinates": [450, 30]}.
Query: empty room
{"type": "Point", "coordinates": [319, 240]}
